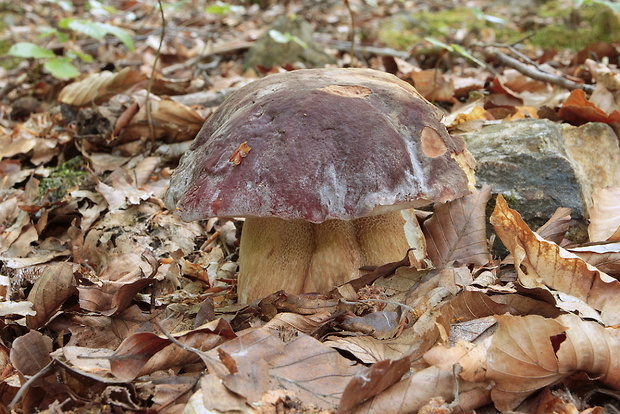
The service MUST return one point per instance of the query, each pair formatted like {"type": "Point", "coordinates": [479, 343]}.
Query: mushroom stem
{"type": "Point", "coordinates": [300, 256]}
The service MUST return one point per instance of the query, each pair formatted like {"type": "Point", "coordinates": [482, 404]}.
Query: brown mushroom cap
{"type": "Point", "coordinates": [323, 144]}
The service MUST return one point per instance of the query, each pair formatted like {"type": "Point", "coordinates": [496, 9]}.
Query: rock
{"type": "Point", "coordinates": [539, 165]}
{"type": "Point", "coordinates": [288, 41]}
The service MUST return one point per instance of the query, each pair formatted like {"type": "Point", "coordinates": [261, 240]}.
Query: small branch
{"type": "Point", "coordinates": [537, 74]}
{"type": "Point", "coordinates": [351, 32]}
{"type": "Point", "coordinates": [149, 115]}
{"type": "Point", "coordinates": [345, 46]}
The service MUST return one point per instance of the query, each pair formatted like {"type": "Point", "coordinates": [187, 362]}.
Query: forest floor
{"type": "Point", "coordinates": [110, 303]}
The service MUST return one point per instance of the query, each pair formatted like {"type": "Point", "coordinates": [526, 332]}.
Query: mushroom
{"type": "Point", "coordinates": [324, 165]}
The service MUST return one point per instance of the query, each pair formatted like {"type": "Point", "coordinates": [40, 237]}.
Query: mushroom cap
{"type": "Point", "coordinates": [320, 144]}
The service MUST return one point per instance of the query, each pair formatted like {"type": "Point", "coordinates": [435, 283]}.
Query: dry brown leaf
{"type": "Point", "coordinates": [540, 262]}
{"type": "Point", "coordinates": [605, 256]}
{"type": "Point", "coordinates": [111, 297]}
{"type": "Point", "coordinates": [438, 381]}
{"type": "Point", "coordinates": [372, 381]}
{"type": "Point", "coordinates": [55, 285]}
{"type": "Point", "coordinates": [529, 353]}
{"type": "Point", "coordinates": [144, 353]}
{"type": "Point", "coordinates": [30, 353]}
{"type": "Point", "coordinates": [172, 120]}
{"type": "Point", "coordinates": [313, 372]}
{"type": "Point", "coordinates": [578, 110]}
{"type": "Point", "coordinates": [370, 350]}
{"type": "Point", "coordinates": [457, 233]}
{"type": "Point", "coordinates": [521, 358]}
{"type": "Point", "coordinates": [433, 85]}
{"type": "Point", "coordinates": [556, 227]}
{"type": "Point", "coordinates": [97, 87]}
{"type": "Point", "coordinates": [604, 214]}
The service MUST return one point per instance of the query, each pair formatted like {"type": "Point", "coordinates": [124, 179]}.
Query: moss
{"type": "Point", "coordinates": [403, 30]}
{"type": "Point", "coordinates": [6, 62]}
{"type": "Point", "coordinates": [555, 26]}
{"type": "Point", "coordinates": [580, 28]}
{"type": "Point", "coordinates": [62, 179]}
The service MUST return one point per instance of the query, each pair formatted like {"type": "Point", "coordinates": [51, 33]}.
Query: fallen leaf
{"type": "Point", "coordinates": [605, 256]}
{"type": "Point", "coordinates": [30, 353]}
{"type": "Point", "coordinates": [313, 372]}
{"type": "Point", "coordinates": [55, 285]}
{"type": "Point", "coordinates": [372, 381]}
{"type": "Point", "coordinates": [604, 214]}
{"type": "Point", "coordinates": [97, 87]}
{"type": "Point", "coordinates": [529, 353]}
{"type": "Point", "coordinates": [578, 110]}
{"type": "Point", "coordinates": [540, 262]}
{"type": "Point", "coordinates": [144, 353]}
{"type": "Point", "coordinates": [457, 233]}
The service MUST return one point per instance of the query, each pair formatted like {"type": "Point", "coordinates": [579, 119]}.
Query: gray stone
{"type": "Point", "coordinates": [539, 165]}
{"type": "Point", "coordinates": [300, 50]}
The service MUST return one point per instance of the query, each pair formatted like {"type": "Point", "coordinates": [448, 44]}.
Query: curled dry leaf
{"type": "Point", "coordinates": [144, 353]}
{"type": "Point", "coordinates": [311, 371]}
{"type": "Point", "coordinates": [55, 285]}
{"type": "Point", "coordinates": [606, 256]}
{"type": "Point", "coordinates": [604, 214]}
{"type": "Point", "coordinates": [556, 227]}
{"type": "Point", "coordinates": [529, 353]}
{"type": "Point", "coordinates": [372, 381]}
{"type": "Point", "coordinates": [111, 297]}
{"type": "Point", "coordinates": [578, 110]}
{"type": "Point", "coordinates": [97, 87]}
{"type": "Point", "coordinates": [433, 85]}
{"type": "Point", "coordinates": [172, 120]}
{"type": "Point", "coordinates": [539, 261]}
{"type": "Point", "coordinates": [441, 380]}
{"type": "Point", "coordinates": [457, 232]}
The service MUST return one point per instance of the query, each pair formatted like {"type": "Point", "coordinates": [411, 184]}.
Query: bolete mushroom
{"type": "Point", "coordinates": [320, 162]}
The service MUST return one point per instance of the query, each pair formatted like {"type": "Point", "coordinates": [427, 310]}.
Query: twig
{"type": "Point", "coordinates": [22, 390]}
{"type": "Point", "coordinates": [537, 74]}
{"type": "Point", "coordinates": [344, 46]}
{"type": "Point", "coordinates": [149, 115]}
{"type": "Point", "coordinates": [351, 32]}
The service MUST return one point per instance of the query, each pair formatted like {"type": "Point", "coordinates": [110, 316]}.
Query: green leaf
{"type": "Point", "coordinates": [85, 57]}
{"type": "Point", "coordinates": [465, 53]}
{"type": "Point", "coordinates": [458, 49]}
{"type": "Point", "coordinates": [121, 34]}
{"type": "Point", "coordinates": [223, 8]}
{"type": "Point", "coordinates": [97, 30]}
{"type": "Point", "coordinates": [87, 27]}
{"type": "Point", "coordinates": [97, 6]}
{"type": "Point", "coordinates": [29, 50]}
{"type": "Point", "coordinates": [280, 37]}
{"type": "Point", "coordinates": [61, 68]}
{"type": "Point", "coordinates": [66, 5]}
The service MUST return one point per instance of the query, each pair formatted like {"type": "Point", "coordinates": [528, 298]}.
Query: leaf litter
{"type": "Point", "coordinates": [109, 300]}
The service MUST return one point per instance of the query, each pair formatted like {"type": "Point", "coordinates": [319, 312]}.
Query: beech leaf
{"type": "Point", "coordinates": [99, 86]}
{"type": "Point", "coordinates": [457, 233]}
{"type": "Point", "coordinates": [55, 285]}
{"type": "Point", "coordinates": [541, 262]}
{"type": "Point", "coordinates": [604, 214]}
